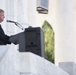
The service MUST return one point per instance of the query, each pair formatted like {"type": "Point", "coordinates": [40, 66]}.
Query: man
{"type": "Point", "coordinates": [4, 39]}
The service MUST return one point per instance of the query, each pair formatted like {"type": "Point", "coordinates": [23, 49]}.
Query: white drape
{"type": "Point", "coordinates": [3, 50]}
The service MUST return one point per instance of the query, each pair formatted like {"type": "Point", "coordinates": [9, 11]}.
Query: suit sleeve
{"type": "Point", "coordinates": [5, 38]}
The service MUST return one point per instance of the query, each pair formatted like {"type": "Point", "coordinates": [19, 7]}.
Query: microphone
{"type": "Point", "coordinates": [10, 21]}
{"type": "Point", "coordinates": [16, 23]}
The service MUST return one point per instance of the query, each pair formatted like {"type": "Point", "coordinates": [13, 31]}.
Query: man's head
{"type": "Point", "coordinates": [1, 15]}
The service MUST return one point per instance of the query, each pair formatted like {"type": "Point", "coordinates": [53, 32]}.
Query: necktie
{"type": "Point", "coordinates": [1, 30]}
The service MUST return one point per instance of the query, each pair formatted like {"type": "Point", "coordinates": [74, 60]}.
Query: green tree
{"type": "Point", "coordinates": [49, 41]}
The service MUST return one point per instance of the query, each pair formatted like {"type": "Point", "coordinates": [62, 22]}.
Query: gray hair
{"type": "Point", "coordinates": [1, 11]}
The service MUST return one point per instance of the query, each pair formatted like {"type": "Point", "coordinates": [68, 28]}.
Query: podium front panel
{"type": "Point", "coordinates": [34, 41]}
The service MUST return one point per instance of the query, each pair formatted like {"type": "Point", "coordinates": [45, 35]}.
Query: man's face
{"type": "Point", "coordinates": [2, 16]}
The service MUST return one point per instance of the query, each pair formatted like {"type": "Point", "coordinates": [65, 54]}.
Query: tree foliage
{"type": "Point", "coordinates": [49, 41]}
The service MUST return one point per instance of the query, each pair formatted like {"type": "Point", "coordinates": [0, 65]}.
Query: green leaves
{"type": "Point", "coordinates": [49, 41]}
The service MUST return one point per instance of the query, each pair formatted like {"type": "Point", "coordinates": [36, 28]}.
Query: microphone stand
{"type": "Point", "coordinates": [17, 24]}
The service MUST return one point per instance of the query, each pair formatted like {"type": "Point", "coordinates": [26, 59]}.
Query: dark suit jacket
{"type": "Point", "coordinates": [4, 39]}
